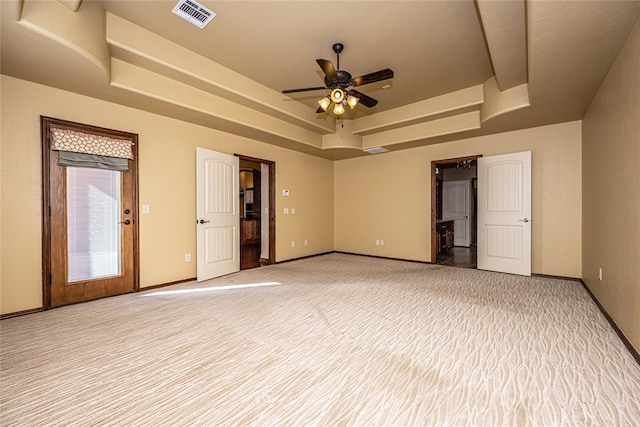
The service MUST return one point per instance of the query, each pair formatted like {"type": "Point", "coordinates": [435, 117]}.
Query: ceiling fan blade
{"type": "Point", "coordinates": [328, 69]}
{"type": "Point", "coordinates": [365, 100]}
{"type": "Point", "coordinates": [372, 77]}
{"type": "Point", "coordinates": [304, 89]}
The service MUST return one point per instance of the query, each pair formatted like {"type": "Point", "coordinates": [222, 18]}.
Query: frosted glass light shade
{"type": "Point", "coordinates": [337, 95]}
{"type": "Point", "coordinates": [324, 103]}
{"type": "Point", "coordinates": [352, 101]}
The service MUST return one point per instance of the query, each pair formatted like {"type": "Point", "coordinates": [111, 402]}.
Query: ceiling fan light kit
{"type": "Point", "coordinates": [352, 101]}
{"type": "Point", "coordinates": [339, 81]}
{"type": "Point", "coordinates": [338, 110]}
{"type": "Point", "coordinates": [337, 95]}
{"type": "Point", "coordinates": [324, 103]}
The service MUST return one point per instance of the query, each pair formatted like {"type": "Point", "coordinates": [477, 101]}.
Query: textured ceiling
{"type": "Point", "coordinates": [559, 51]}
{"type": "Point", "coordinates": [434, 47]}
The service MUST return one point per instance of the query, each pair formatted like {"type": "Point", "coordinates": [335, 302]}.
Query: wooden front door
{"type": "Point", "coordinates": [90, 224]}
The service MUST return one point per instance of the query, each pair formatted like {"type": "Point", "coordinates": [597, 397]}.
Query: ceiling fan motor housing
{"type": "Point", "coordinates": [343, 81]}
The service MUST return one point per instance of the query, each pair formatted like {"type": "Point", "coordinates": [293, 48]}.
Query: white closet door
{"type": "Point", "coordinates": [456, 206]}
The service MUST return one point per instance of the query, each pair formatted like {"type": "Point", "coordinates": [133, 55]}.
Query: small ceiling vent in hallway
{"type": "Point", "coordinates": [194, 12]}
{"type": "Point", "coordinates": [375, 150]}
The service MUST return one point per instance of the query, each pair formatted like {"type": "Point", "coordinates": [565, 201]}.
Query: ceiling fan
{"type": "Point", "coordinates": [339, 81]}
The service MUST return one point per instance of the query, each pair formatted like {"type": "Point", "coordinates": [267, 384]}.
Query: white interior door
{"type": "Point", "coordinates": [504, 213]}
{"type": "Point", "coordinates": [218, 219]}
{"type": "Point", "coordinates": [456, 206]}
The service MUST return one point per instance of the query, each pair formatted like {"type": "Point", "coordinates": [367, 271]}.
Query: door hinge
{"type": "Point", "coordinates": [50, 278]}
{"type": "Point", "coordinates": [49, 211]}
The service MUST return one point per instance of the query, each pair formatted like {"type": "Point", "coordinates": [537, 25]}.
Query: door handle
{"type": "Point", "coordinates": [125, 222]}
{"type": "Point", "coordinates": [524, 220]}
{"type": "Point", "coordinates": [202, 221]}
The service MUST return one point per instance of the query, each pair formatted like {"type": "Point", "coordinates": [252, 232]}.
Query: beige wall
{"type": "Point", "coordinates": [167, 184]}
{"type": "Point", "coordinates": [376, 197]}
{"type": "Point", "coordinates": [611, 191]}
{"type": "Point", "coordinates": [388, 197]}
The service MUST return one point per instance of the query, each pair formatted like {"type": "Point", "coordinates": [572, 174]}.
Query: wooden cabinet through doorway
{"type": "Point", "coordinates": [250, 209]}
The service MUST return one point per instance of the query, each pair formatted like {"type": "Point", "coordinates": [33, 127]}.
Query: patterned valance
{"type": "Point", "coordinates": [80, 142]}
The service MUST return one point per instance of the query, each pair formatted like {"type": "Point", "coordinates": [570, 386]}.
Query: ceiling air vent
{"type": "Point", "coordinates": [194, 12]}
{"type": "Point", "coordinates": [375, 150]}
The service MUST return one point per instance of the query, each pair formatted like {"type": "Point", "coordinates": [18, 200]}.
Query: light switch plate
{"type": "Point", "coordinates": [145, 209]}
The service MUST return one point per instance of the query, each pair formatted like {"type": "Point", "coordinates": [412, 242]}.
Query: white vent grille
{"type": "Point", "coordinates": [375, 150]}
{"type": "Point", "coordinates": [194, 12]}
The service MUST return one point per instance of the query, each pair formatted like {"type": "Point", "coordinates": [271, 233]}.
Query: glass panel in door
{"type": "Point", "coordinates": [93, 229]}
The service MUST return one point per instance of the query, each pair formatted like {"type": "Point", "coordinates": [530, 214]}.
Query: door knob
{"type": "Point", "coordinates": [524, 220]}
{"type": "Point", "coordinates": [202, 221]}
{"type": "Point", "coordinates": [126, 222]}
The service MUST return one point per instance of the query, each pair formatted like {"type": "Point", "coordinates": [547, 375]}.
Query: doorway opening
{"type": "Point", "coordinates": [257, 212]}
{"type": "Point", "coordinates": [453, 212]}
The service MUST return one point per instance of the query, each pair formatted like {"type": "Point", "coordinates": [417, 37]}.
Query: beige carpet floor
{"type": "Point", "coordinates": [331, 340]}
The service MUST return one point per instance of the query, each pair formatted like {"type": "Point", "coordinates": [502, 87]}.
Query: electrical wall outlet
{"type": "Point", "coordinates": [293, 243]}
{"type": "Point", "coordinates": [285, 211]}
{"type": "Point", "coordinates": [306, 242]}
{"type": "Point", "coordinates": [293, 211]}
{"type": "Point", "coordinates": [377, 242]}
{"type": "Point", "coordinates": [381, 242]}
